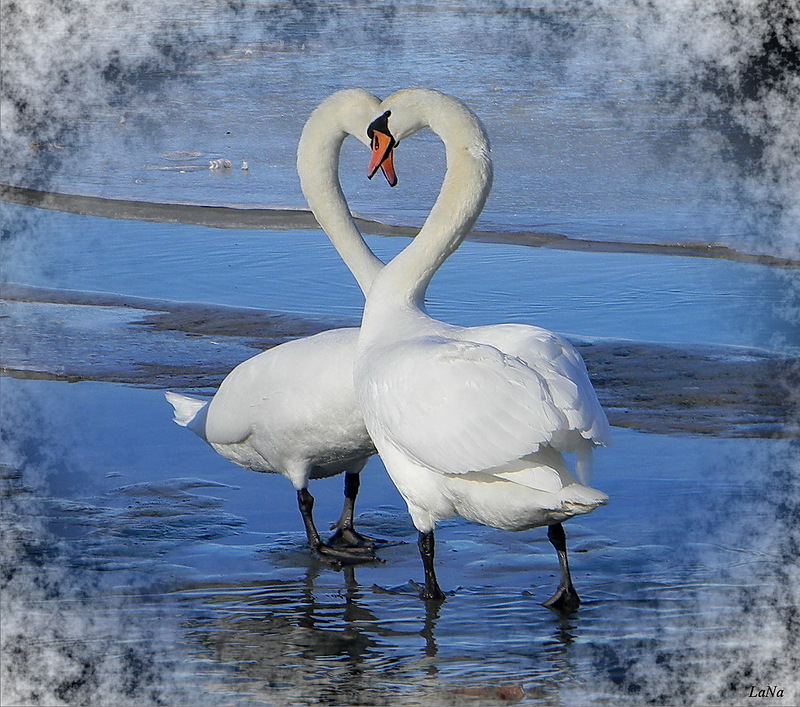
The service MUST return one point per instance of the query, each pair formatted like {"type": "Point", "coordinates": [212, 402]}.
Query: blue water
{"type": "Point", "coordinates": [199, 568]}
{"type": "Point", "coordinates": [601, 122]}
{"type": "Point", "coordinates": [687, 301]}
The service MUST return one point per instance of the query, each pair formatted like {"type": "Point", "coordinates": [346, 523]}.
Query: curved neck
{"type": "Point", "coordinates": [466, 186]}
{"type": "Point", "coordinates": [318, 167]}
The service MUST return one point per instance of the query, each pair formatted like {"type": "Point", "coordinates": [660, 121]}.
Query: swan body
{"type": "Point", "coordinates": [469, 421]}
{"type": "Point", "coordinates": [292, 409]}
{"type": "Point", "coordinates": [481, 431]}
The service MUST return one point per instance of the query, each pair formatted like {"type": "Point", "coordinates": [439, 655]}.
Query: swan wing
{"type": "Point", "coordinates": [458, 406]}
{"type": "Point", "coordinates": [562, 368]}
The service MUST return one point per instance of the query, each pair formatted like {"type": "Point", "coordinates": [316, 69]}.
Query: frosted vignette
{"type": "Point", "coordinates": [72, 70]}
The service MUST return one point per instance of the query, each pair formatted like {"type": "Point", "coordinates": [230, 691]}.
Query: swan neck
{"type": "Point", "coordinates": [318, 167]}
{"type": "Point", "coordinates": [466, 186]}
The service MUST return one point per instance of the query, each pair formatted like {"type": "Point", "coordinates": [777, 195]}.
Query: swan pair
{"type": "Point", "coordinates": [468, 421]}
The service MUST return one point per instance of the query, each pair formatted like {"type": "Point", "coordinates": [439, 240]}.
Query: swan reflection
{"type": "Point", "coordinates": [323, 633]}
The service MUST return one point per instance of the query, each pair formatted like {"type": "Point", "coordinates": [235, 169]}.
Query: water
{"type": "Point", "coordinates": [686, 301]}
{"type": "Point", "coordinates": [607, 120]}
{"type": "Point", "coordinates": [139, 567]}
{"type": "Point", "coordinates": [175, 577]}
{"type": "Point", "coordinates": [198, 569]}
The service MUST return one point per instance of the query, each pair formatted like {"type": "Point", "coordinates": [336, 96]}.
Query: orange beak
{"type": "Point", "coordinates": [382, 144]}
{"type": "Point", "coordinates": [383, 157]}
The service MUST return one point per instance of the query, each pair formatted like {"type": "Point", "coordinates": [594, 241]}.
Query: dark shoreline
{"type": "Point", "coordinates": [706, 390]}
{"type": "Point", "coordinates": [281, 219]}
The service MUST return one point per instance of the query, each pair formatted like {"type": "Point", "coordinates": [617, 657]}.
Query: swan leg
{"type": "Point", "coordinates": [431, 591]}
{"type": "Point", "coordinates": [346, 535]}
{"type": "Point", "coordinates": [566, 599]}
{"type": "Point", "coordinates": [334, 555]}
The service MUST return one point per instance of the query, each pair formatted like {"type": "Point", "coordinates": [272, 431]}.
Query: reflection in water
{"type": "Point", "coordinates": [143, 570]}
{"type": "Point", "coordinates": [297, 637]}
{"type": "Point", "coordinates": [428, 632]}
{"type": "Point", "coordinates": [323, 636]}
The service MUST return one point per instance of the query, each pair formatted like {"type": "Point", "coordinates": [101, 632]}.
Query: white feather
{"type": "Point", "coordinates": [293, 409]}
{"type": "Point", "coordinates": [185, 410]}
{"type": "Point", "coordinates": [469, 421]}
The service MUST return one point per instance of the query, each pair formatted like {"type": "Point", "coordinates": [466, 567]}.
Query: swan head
{"type": "Point", "coordinates": [343, 113]}
{"type": "Point", "coordinates": [348, 111]}
{"type": "Point", "coordinates": [410, 110]}
{"type": "Point", "coordinates": [382, 144]}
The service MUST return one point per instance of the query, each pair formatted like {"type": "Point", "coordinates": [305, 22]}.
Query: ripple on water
{"type": "Point", "coordinates": [216, 556]}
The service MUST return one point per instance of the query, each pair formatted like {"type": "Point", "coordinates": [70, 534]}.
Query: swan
{"type": "Point", "coordinates": [292, 409]}
{"type": "Point", "coordinates": [469, 421]}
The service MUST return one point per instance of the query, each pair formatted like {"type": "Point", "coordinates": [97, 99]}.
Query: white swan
{"type": "Point", "coordinates": [292, 409]}
{"type": "Point", "coordinates": [469, 421]}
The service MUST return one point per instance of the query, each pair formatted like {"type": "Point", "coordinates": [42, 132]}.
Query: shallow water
{"type": "Point", "coordinates": [195, 572]}
{"type": "Point", "coordinates": [172, 576]}
{"type": "Point", "coordinates": [722, 390]}
{"type": "Point", "coordinates": [607, 295]}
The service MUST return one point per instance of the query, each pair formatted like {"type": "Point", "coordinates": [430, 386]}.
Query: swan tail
{"type": "Point", "coordinates": [559, 491]}
{"type": "Point", "coordinates": [188, 412]}
{"type": "Point", "coordinates": [582, 499]}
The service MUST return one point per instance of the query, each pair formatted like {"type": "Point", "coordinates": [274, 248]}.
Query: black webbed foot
{"type": "Point", "coordinates": [564, 601]}
{"type": "Point", "coordinates": [427, 593]}
{"type": "Point", "coordinates": [335, 556]}
{"type": "Point", "coordinates": [339, 556]}
{"type": "Point", "coordinates": [350, 537]}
